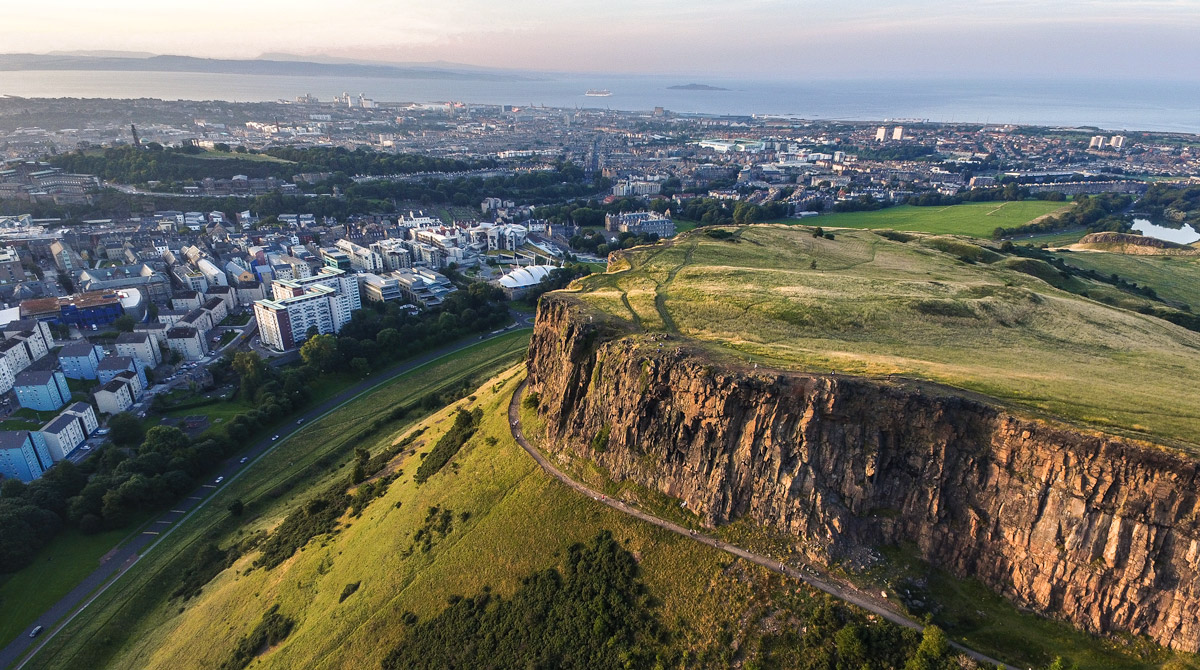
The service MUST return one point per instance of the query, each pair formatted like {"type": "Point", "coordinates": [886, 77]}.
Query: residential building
{"type": "Point", "coordinates": [11, 271]}
{"type": "Point", "coordinates": [216, 309]}
{"type": "Point", "coordinates": [69, 429]}
{"type": "Point", "coordinates": [40, 328]}
{"type": "Point", "coordinates": [23, 455]}
{"type": "Point", "coordinates": [15, 354]}
{"type": "Point", "coordinates": [80, 359]}
{"type": "Point", "coordinates": [156, 330]}
{"type": "Point", "coordinates": [394, 252]}
{"type": "Point", "coordinates": [7, 376]}
{"type": "Point", "coordinates": [43, 390]}
{"type": "Point", "coordinates": [139, 346]}
{"type": "Point", "coordinates": [65, 257]}
{"type": "Point", "coordinates": [114, 397]}
{"type": "Point", "coordinates": [187, 342]}
{"type": "Point", "coordinates": [113, 366]}
{"type": "Point", "coordinates": [324, 301]}
{"type": "Point", "coordinates": [361, 258]}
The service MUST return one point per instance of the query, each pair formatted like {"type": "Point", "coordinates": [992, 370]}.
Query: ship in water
{"type": "Point", "coordinates": [598, 93]}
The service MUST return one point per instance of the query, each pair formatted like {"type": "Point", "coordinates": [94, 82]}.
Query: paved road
{"type": "Point", "coordinates": [124, 557]}
{"type": "Point", "coordinates": [810, 576]}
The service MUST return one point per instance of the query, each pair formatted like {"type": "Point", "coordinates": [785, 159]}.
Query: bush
{"type": "Point", "coordinates": [464, 427]}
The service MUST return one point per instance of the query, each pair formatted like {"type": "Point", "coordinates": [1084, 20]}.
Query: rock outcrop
{"type": "Point", "coordinates": [1135, 245]}
{"type": "Point", "coordinates": [1098, 530]}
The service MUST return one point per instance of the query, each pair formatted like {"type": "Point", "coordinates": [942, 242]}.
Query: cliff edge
{"type": "Point", "coordinates": [1098, 530]}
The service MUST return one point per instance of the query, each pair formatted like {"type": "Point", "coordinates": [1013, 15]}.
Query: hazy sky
{"type": "Point", "coordinates": [776, 38]}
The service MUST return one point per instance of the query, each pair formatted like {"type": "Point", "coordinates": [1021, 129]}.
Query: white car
{"type": "Point", "coordinates": [244, 459]}
{"type": "Point", "coordinates": [273, 438]}
{"type": "Point", "coordinates": [219, 480]}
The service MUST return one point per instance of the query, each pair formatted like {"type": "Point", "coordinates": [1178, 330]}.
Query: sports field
{"type": "Point", "coordinates": [976, 219]}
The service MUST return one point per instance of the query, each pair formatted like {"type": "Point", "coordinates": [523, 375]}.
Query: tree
{"type": "Point", "coordinates": [124, 323]}
{"type": "Point", "coordinates": [125, 430]}
{"type": "Point", "coordinates": [251, 369]}
{"type": "Point", "coordinates": [164, 439]}
{"type": "Point", "coordinates": [360, 366]}
{"type": "Point", "coordinates": [321, 352]}
{"type": "Point", "coordinates": [236, 507]}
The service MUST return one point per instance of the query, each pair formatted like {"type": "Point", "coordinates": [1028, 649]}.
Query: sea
{"type": "Point", "coordinates": [1109, 104]}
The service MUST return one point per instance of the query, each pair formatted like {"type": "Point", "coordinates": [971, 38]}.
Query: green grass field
{"type": "Point", "coordinates": [58, 567]}
{"type": "Point", "coordinates": [862, 304]}
{"type": "Point", "coordinates": [278, 479]}
{"type": "Point", "coordinates": [975, 219]}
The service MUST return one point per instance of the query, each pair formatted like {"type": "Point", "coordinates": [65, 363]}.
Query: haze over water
{"type": "Point", "coordinates": [1107, 104]}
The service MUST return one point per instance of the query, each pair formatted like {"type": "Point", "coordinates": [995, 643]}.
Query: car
{"type": "Point", "coordinates": [219, 480]}
{"type": "Point", "coordinates": [299, 421]}
{"type": "Point", "coordinates": [244, 459]}
{"type": "Point", "coordinates": [37, 630]}
{"type": "Point", "coordinates": [274, 437]}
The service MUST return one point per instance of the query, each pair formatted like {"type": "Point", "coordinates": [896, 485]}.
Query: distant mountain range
{"type": "Point", "coordinates": [283, 65]}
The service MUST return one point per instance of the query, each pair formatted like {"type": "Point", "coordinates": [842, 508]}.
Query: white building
{"type": "Point", "coordinates": [69, 429]}
{"type": "Point", "coordinates": [324, 301]}
{"type": "Point", "coordinates": [362, 258]}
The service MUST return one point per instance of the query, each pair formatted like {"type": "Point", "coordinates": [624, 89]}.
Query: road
{"type": "Point", "coordinates": [810, 576]}
{"type": "Point", "coordinates": [120, 560]}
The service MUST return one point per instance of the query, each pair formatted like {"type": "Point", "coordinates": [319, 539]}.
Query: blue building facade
{"type": "Point", "coordinates": [23, 455]}
{"type": "Point", "coordinates": [115, 365]}
{"type": "Point", "coordinates": [80, 359]}
{"type": "Point", "coordinates": [42, 390]}
{"type": "Point", "coordinates": [91, 317]}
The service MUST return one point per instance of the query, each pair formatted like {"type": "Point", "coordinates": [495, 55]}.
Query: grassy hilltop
{"type": "Point", "coordinates": [945, 309]}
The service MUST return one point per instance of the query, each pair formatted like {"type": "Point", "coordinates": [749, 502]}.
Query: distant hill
{"type": "Point", "coordinates": [291, 68]}
{"type": "Point", "coordinates": [696, 87]}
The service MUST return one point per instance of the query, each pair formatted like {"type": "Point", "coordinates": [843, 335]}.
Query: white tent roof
{"type": "Point", "coordinates": [523, 277]}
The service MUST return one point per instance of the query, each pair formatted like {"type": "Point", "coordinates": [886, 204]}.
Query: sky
{"type": "Point", "coordinates": [783, 39]}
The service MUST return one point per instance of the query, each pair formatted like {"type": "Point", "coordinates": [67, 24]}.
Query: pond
{"type": "Point", "coordinates": [1184, 235]}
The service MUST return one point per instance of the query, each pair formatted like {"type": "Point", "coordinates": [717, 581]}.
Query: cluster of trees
{"type": "Point", "coordinates": [716, 212]}
{"type": "Point", "coordinates": [596, 613]}
{"type": "Point", "coordinates": [1094, 213]}
{"type": "Point", "coordinates": [590, 213]}
{"type": "Point", "coordinates": [1168, 202]}
{"type": "Point", "coordinates": [1011, 191]}
{"type": "Point", "coordinates": [152, 162]}
{"type": "Point", "coordinates": [133, 165]}
{"type": "Point", "coordinates": [463, 428]}
{"type": "Point", "coordinates": [593, 614]}
{"type": "Point", "coordinates": [863, 203]}
{"type": "Point", "coordinates": [558, 278]}
{"type": "Point", "coordinates": [133, 473]}
{"type": "Point", "coordinates": [369, 162]}
{"type": "Point", "coordinates": [597, 243]}
{"type": "Point", "coordinates": [564, 182]}
{"type": "Point", "coordinates": [384, 333]}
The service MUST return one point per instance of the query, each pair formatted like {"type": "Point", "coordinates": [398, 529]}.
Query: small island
{"type": "Point", "coordinates": [696, 87]}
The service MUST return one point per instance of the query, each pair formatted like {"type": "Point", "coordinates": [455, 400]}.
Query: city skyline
{"type": "Point", "coordinates": [1078, 38]}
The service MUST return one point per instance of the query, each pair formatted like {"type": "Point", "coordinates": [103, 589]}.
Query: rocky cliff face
{"type": "Point", "coordinates": [1098, 530]}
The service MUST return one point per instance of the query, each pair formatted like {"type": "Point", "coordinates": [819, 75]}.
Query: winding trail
{"type": "Point", "coordinates": [842, 592]}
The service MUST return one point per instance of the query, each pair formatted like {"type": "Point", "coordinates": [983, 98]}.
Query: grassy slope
{"type": "Point", "coordinates": [520, 521]}
{"type": "Point", "coordinates": [977, 219]}
{"type": "Point", "coordinates": [1174, 278]}
{"type": "Point", "coordinates": [279, 478]}
{"type": "Point", "coordinates": [877, 307]}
